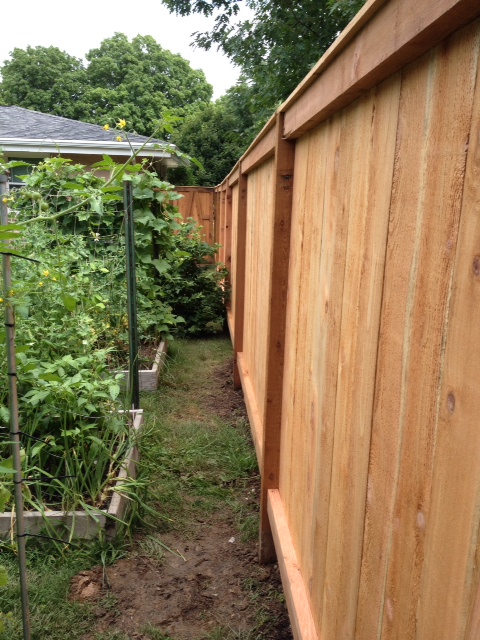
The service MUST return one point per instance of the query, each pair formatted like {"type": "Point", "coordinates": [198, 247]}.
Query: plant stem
{"type": "Point", "coordinates": [14, 424]}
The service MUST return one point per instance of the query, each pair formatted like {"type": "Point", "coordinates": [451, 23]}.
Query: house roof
{"type": "Point", "coordinates": [27, 131]}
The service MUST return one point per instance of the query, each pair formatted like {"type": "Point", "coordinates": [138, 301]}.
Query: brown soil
{"type": "Point", "coordinates": [209, 583]}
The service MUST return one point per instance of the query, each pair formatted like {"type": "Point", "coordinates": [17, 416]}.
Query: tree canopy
{"type": "Point", "coordinates": [216, 135]}
{"type": "Point", "coordinates": [135, 80]}
{"type": "Point", "coordinates": [276, 47]}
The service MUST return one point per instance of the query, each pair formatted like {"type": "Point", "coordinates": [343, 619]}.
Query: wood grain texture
{"type": "Point", "coordinates": [425, 211]}
{"type": "Point", "coordinates": [301, 618]}
{"type": "Point", "coordinates": [315, 294]}
{"type": "Point", "coordinates": [452, 580]}
{"type": "Point", "coordinates": [197, 203]}
{"type": "Point", "coordinates": [398, 33]}
{"type": "Point", "coordinates": [234, 253]}
{"type": "Point", "coordinates": [259, 236]}
{"type": "Point", "coordinates": [367, 200]}
{"type": "Point", "coordinates": [275, 330]}
{"type": "Point", "coordinates": [238, 284]}
{"type": "Point", "coordinates": [254, 415]}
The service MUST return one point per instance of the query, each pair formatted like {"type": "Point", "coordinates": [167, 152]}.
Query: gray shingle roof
{"type": "Point", "coordinates": [16, 122]}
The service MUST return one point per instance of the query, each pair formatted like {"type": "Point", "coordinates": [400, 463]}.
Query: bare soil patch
{"type": "Point", "coordinates": [209, 585]}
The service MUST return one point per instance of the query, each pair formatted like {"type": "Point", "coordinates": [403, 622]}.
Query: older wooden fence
{"type": "Point", "coordinates": [198, 203]}
{"type": "Point", "coordinates": [352, 230]}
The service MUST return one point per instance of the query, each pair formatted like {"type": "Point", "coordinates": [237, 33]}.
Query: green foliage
{"type": "Point", "coordinates": [216, 135]}
{"type": "Point", "coordinates": [71, 316]}
{"type": "Point", "coordinates": [71, 322]}
{"type": "Point", "coordinates": [194, 285]}
{"type": "Point", "coordinates": [44, 79]}
{"type": "Point", "coordinates": [136, 80]}
{"type": "Point", "coordinates": [276, 47]}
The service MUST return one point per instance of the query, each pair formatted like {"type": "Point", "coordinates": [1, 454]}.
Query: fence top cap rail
{"type": "Point", "coordinates": [354, 26]}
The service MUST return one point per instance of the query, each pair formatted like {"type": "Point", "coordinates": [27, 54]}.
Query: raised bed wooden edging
{"type": "Point", "coordinates": [85, 525]}
{"type": "Point", "coordinates": [149, 377]}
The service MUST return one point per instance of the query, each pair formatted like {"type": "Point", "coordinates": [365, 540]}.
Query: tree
{"type": "Point", "coordinates": [138, 80]}
{"type": "Point", "coordinates": [45, 79]}
{"type": "Point", "coordinates": [135, 80]}
{"type": "Point", "coordinates": [277, 47]}
{"type": "Point", "coordinates": [216, 135]}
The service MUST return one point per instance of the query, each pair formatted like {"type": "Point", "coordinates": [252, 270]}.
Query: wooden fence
{"type": "Point", "coordinates": [198, 203]}
{"type": "Point", "coordinates": [352, 230]}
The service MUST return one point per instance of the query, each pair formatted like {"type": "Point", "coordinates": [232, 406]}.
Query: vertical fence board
{"type": "Point", "coordinates": [453, 526]}
{"type": "Point", "coordinates": [369, 188]}
{"type": "Point", "coordinates": [238, 291]}
{"type": "Point", "coordinates": [310, 375]}
{"type": "Point", "coordinates": [420, 252]}
{"type": "Point", "coordinates": [233, 266]}
{"type": "Point", "coordinates": [257, 285]}
{"type": "Point", "coordinates": [197, 203]}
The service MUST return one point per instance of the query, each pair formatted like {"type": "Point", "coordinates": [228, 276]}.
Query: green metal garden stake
{"type": "Point", "coordinates": [14, 421]}
{"type": "Point", "coordinates": [133, 379]}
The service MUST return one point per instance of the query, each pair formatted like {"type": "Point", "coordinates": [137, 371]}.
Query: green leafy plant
{"type": "Point", "coordinates": [195, 285]}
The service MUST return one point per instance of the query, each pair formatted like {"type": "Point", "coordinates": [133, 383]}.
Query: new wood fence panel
{"type": "Point", "coordinates": [312, 343]}
{"type": "Point", "coordinates": [222, 222]}
{"type": "Point", "coordinates": [257, 285]}
{"type": "Point", "coordinates": [425, 209]}
{"type": "Point", "coordinates": [451, 579]}
{"type": "Point", "coordinates": [372, 133]}
{"type": "Point", "coordinates": [233, 264]}
{"type": "Point", "coordinates": [376, 518]}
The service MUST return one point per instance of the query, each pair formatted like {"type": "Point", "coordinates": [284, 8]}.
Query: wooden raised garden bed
{"type": "Point", "coordinates": [149, 377]}
{"type": "Point", "coordinates": [85, 525]}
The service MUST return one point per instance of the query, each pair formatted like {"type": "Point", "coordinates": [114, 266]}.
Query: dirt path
{"type": "Point", "coordinates": [210, 585]}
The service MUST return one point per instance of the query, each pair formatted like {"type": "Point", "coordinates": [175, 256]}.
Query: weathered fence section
{"type": "Point", "coordinates": [198, 203]}
{"type": "Point", "coordinates": [352, 230]}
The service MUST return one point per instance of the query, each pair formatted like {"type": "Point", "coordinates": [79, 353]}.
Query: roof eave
{"type": "Point", "coordinates": [83, 147]}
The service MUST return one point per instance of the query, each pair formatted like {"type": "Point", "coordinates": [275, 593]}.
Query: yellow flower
{"type": "Point", "coordinates": [122, 124]}
{"type": "Point", "coordinates": [40, 284]}
{"type": "Point", "coordinates": [119, 138]}
{"type": "Point", "coordinates": [46, 273]}
{"type": "Point", "coordinates": [106, 127]}
{"type": "Point", "coordinates": [54, 279]}
{"type": "Point", "coordinates": [5, 200]}
{"type": "Point", "coordinates": [1, 300]}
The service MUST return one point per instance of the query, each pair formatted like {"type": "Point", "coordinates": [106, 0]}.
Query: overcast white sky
{"type": "Point", "coordinates": [78, 27]}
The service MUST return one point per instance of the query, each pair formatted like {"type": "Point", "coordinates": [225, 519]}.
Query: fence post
{"type": "Point", "coordinates": [282, 203]}
{"type": "Point", "coordinates": [228, 229]}
{"type": "Point", "coordinates": [238, 287]}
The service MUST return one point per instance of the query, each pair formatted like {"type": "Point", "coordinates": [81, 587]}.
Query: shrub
{"type": "Point", "coordinates": [195, 285]}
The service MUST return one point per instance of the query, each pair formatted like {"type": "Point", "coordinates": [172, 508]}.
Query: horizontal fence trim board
{"type": "Point", "coordinates": [252, 407]}
{"type": "Point", "coordinates": [182, 188]}
{"type": "Point", "coordinates": [295, 592]}
{"type": "Point", "coordinates": [398, 33]}
{"type": "Point", "coordinates": [233, 177]}
{"type": "Point", "coordinates": [266, 129]}
{"type": "Point", "coordinates": [363, 16]}
{"type": "Point", "coordinates": [264, 149]}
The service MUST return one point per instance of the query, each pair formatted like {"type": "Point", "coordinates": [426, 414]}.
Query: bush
{"type": "Point", "coordinates": [195, 285]}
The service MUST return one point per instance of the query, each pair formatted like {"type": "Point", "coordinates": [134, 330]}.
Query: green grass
{"type": "Point", "coordinates": [192, 463]}
{"type": "Point", "coordinates": [196, 460]}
